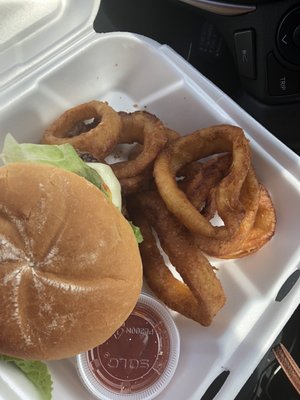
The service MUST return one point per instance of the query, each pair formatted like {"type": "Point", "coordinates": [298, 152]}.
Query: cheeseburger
{"type": "Point", "coordinates": [70, 269]}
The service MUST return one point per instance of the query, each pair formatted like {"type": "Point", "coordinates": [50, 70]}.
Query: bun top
{"type": "Point", "coordinates": [70, 269]}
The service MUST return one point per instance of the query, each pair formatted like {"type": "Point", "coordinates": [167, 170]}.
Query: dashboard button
{"type": "Point", "coordinates": [245, 53]}
{"type": "Point", "coordinates": [281, 81]}
{"type": "Point", "coordinates": [296, 36]}
{"type": "Point", "coordinates": [288, 37]}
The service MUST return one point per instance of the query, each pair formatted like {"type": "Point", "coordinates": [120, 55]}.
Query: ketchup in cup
{"type": "Point", "coordinates": [138, 360]}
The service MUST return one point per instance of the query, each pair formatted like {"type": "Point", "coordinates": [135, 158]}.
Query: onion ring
{"type": "Point", "coordinates": [201, 296]}
{"type": "Point", "coordinates": [203, 143]}
{"type": "Point", "coordinates": [143, 128]}
{"type": "Point", "coordinates": [199, 181]}
{"type": "Point", "coordinates": [248, 240]}
{"type": "Point", "coordinates": [174, 293]}
{"type": "Point", "coordinates": [98, 141]}
{"type": "Point", "coordinates": [136, 183]}
{"type": "Point", "coordinates": [150, 136]}
{"type": "Point", "coordinates": [257, 227]}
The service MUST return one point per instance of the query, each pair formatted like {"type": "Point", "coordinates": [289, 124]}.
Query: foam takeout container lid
{"type": "Point", "coordinates": [33, 32]}
{"type": "Point", "coordinates": [50, 60]}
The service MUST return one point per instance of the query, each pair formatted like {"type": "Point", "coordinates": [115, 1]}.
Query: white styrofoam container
{"type": "Point", "coordinates": [50, 60]}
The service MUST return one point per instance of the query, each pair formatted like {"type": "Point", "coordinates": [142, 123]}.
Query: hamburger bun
{"type": "Point", "coordinates": [70, 268]}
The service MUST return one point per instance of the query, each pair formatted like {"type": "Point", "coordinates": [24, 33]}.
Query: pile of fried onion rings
{"type": "Point", "coordinates": [191, 196]}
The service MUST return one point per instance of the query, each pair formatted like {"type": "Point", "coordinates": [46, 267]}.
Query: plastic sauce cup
{"type": "Point", "coordinates": [139, 360]}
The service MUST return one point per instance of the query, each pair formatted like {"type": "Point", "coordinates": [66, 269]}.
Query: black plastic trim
{"type": "Point", "coordinates": [288, 285]}
{"type": "Point", "coordinates": [216, 385]}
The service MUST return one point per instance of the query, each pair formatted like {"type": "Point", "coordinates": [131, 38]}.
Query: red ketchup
{"type": "Point", "coordinates": [139, 359]}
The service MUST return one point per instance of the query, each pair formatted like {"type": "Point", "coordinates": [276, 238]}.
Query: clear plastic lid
{"type": "Point", "coordinates": [139, 360]}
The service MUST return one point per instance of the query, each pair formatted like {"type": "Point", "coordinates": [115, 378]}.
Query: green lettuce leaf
{"type": "Point", "coordinates": [137, 232]}
{"type": "Point", "coordinates": [62, 156]}
{"type": "Point", "coordinates": [36, 371]}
